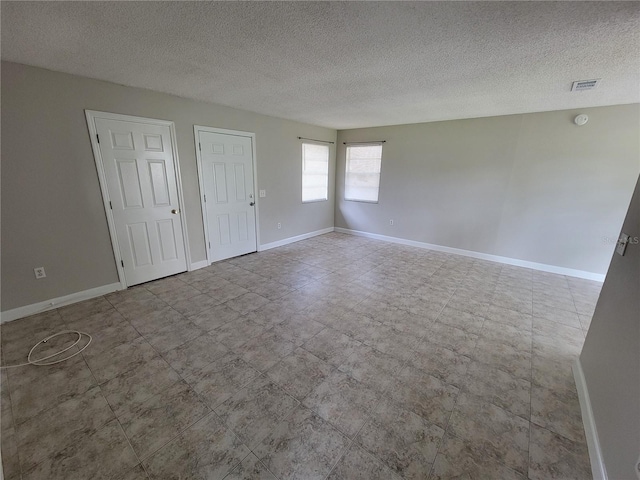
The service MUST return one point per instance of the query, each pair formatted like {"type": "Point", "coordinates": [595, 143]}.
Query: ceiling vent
{"type": "Point", "coordinates": [582, 85]}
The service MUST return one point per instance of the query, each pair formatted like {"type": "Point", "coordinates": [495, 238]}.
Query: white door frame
{"type": "Point", "coordinates": [196, 130]}
{"type": "Point", "coordinates": [92, 115]}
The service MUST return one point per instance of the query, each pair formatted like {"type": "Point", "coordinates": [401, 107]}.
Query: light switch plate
{"type": "Point", "coordinates": [263, 193]}
{"type": "Point", "coordinates": [621, 246]}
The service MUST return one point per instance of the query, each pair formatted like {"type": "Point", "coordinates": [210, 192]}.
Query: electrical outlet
{"type": "Point", "coordinates": [621, 246]}
{"type": "Point", "coordinates": [39, 272]}
{"type": "Point", "coordinates": [279, 225]}
{"type": "Point", "coordinates": [263, 193]}
{"type": "Point", "coordinates": [391, 222]}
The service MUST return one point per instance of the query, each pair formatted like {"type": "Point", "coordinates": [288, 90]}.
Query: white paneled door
{"type": "Point", "coordinates": [226, 165]}
{"type": "Point", "coordinates": [140, 175]}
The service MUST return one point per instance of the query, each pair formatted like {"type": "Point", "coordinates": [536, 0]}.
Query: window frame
{"type": "Point", "coordinates": [328, 147]}
{"type": "Point", "coordinates": [346, 170]}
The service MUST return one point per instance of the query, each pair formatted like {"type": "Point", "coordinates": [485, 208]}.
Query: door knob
{"type": "Point", "coordinates": [252, 204]}
{"type": "Point", "coordinates": [175, 210]}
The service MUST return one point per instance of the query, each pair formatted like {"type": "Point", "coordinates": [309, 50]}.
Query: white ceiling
{"type": "Point", "coordinates": [343, 64]}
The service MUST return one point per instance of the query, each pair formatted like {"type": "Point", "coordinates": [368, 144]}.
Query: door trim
{"type": "Point", "coordinates": [238, 133]}
{"type": "Point", "coordinates": [91, 116]}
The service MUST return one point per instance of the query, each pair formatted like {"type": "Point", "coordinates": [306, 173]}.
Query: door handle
{"type": "Point", "coordinates": [252, 204]}
{"type": "Point", "coordinates": [175, 210]}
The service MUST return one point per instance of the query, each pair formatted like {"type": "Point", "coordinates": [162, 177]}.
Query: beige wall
{"type": "Point", "coordinates": [52, 212]}
{"type": "Point", "coordinates": [533, 187]}
{"type": "Point", "coordinates": [610, 357]}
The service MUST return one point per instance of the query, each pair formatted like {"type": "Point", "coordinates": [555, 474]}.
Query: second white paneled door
{"type": "Point", "coordinates": [138, 165]}
{"type": "Point", "coordinates": [226, 170]}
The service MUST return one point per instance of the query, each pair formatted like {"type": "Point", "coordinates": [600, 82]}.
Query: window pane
{"type": "Point", "coordinates": [362, 179]}
{"type": "Point", "coordinates": [315, 172]}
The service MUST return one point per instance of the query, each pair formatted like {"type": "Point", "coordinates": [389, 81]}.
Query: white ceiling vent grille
{"type": "Point", "coordinates": [582, 85]}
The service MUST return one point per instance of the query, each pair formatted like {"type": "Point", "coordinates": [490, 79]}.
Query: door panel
{"type": "Point", "coordinates": [130, 189]}
{"type": "Point", "coordinates": [139, 244]}
{"type": "Point", "coordinates": [227, 177]}
{"type": "Point", "coordinates": [159, 187]}
{"type": "Point", "coordinates": [220, 182]}
{"type": "Point", "coordinates": [241, 195]}
{"type": "Point", "coordinates": [167, 236]}
{"type": "Point", "coordinates": [141, 181]}
{"type": "Point", "coordinates": [224, 230]}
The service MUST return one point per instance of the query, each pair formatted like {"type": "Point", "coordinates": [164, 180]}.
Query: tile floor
{"type": "Point", "coordinates": [337, 357]}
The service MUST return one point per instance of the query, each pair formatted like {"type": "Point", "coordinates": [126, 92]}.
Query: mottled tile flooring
{"type": "Point", "coordinates": [336, 357]}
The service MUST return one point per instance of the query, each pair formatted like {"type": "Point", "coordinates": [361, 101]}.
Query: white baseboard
{"type": "Point", "coordinates": [484, 256]}
{"type": "Point", "coordinates": [40, 307]}
{"type": "Point", "coordinates": [598, 469]}
{"type": "Point", "coordinates": [297, 238]}
{"type": "Point", "coordinates": [198, 265]}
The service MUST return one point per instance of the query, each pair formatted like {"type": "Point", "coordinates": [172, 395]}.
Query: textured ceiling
{"type": "Point", "coordinates": [343, 64]}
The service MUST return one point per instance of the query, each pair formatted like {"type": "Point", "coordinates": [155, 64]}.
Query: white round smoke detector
{"type": "Point", "coordinates": [581, 119]}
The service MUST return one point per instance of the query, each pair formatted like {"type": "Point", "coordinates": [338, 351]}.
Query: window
{"type": "Point", "coordinates": [315, 172]}
{"type": "Point", "coordinates": [362, 179]}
